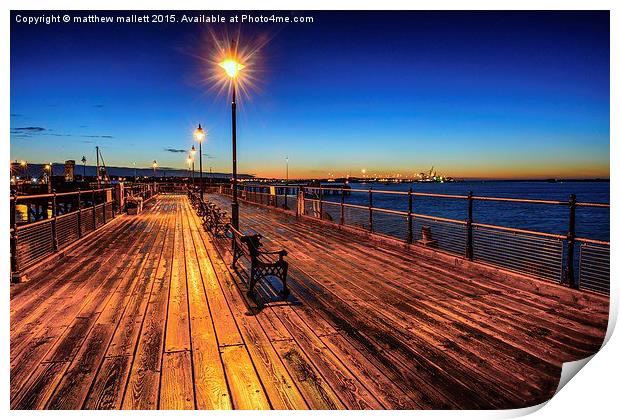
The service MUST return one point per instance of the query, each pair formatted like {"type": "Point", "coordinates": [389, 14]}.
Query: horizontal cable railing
{"type": "Point", "coordinates": [564, 258]}
{"type": "Point", "coordinates": [594, 267]}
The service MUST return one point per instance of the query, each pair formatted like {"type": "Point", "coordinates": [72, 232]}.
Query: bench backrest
{"type": "Point", "coordinates": [249, 245]}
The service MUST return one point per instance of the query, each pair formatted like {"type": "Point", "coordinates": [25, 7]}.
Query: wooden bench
{"type": "Point", "coordinates": [262, 263]}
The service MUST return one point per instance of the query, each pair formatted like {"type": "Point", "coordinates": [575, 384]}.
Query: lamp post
{"type": "Point", "coordinates": [135, 177]}
{"type": "Point", "coordinates": [189, 165]}
{"type": "Point", "coordinates": [48, 168]}
{"type": "Point", "coordinates": [24, 166]}
{"type": "Point", "coordinates": [232, 68]}
{"type": "Point", "coordinates": [193, 153]}
{"type": "Point", "coordinates": [200, 135]}
{"type": "Point", "coordinates": [154, 175]}
{"type": "Point", "coordinates": [83, 168]}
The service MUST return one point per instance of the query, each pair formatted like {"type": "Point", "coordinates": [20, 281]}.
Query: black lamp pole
{"type": "Point", "coordinates": [235, 204]}
{"type": "Point", "coordinates": [202, 189]}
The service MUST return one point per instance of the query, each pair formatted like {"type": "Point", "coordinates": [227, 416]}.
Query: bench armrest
{"type": "Point", "coordinates": [281, 253]}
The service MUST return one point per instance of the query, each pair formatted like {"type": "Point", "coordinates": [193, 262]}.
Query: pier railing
{"type": "Point", "coordinates": [143, 190]}
{"type": "Point", "coordinates": [564, 257]}
{"type": "Point", "coordinates": [44, 224]}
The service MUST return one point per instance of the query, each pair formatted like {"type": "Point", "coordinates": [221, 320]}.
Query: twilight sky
{"type": "Point", "coordinates": [483, 95]}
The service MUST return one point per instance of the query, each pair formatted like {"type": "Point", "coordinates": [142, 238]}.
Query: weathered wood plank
{"type": "Point", "coordinates": [245, 386]}
{"type": "Point", "coordinates": [317, 393]}
{"type": "Point", "coordinates": [279, 386]}
{"type": "Point", "coordinates": [177, 327]}
{"type": "Point", "coordinates": [142, 390]}
{"type": "Point", "coordinates": [107, 391]}
{"type": "Point", "coordinates": [157, 319]}
{"type": "Point", "coordinates": [69, 345]}
{"type": "Point", "coordinates": [177, 383]}
{"type": "Point", "coordinates": [210, 380]}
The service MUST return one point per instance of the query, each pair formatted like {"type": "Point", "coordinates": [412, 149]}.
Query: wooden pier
{"type": "Point", "coordinates": [145, 313]}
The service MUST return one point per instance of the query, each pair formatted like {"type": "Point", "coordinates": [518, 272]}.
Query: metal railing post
{"type": "Point", "coordinates": [105, 203]}
{"type": "Point", "coordinates": [94, 212]}
{"type": "Point", "coordinates": [320, 202]}
{"type": "Point", "coordinates": [342, 206]}
{"type": "Point", "coordinates": [569, 270]}
{"type": "Point", "coordinates": [370, 227]}
{"type": "Point", "coordinates": [469, 246]}
{"type": "Point", "coordinates": [410, 216]}
{"type": "Point", "coordinates": [15, 274]}
{"type": "Point", "coordinates": [54, 235]}
{"type": "Point", "coordinates": [79, 213]}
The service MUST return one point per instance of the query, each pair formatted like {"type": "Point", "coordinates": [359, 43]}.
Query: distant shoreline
{"type": "Point", "coordinates": [539, 180]}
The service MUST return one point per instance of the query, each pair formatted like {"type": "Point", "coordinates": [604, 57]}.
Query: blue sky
{"type": "Point", "coordinates": [489, 95]}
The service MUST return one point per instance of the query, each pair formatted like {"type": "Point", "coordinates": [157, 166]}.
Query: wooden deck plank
{"type": "Point", "coordinates": [74, 383]}
{"type": "Point", "coordinates": [210, 383]}
{"type": "Point", "coordinates": [70, 344]}
{"type": "Point", "coordinates": [177, 383]}
{"type": "Point", "coordinates": [317, 393]}
{"type": "Point", "coordinates": [279, 386]}
{"type": "Point", "coordinates": [29, 319]}
{"type": "Point", "coordinates": [52, 278]}
{"type": "Point", "coordinates": [157, 319]}
{"type": "Point", "coordinates": [142, 391]}
{"type": "Point", "coordinates": [396, 298]}
{"type": "Point", "coordinates": [177, 328]}
{"type": "Point", "coordinates": [310, 244]}
{"type": "Point", "coordinates": [458, 292]}
{"type": "Point", "coordinates": [113, 369]}
{"type": "Point", "coordinates": [69, 339]}
{"type": "Point", "coordinates": [245, 386]}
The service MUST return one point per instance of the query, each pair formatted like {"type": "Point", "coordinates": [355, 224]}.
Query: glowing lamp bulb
{"type": "Point", "coordinates": [231, 67]}
{"type": "Point", "coordinates": [199, 134]}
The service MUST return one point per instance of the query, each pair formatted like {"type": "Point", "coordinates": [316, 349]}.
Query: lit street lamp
{"type": "Point", "coordinates": [200, 135]}
{"type": "Point", "coordinates": [189, 165]}
{"type": "Point", "coordinates": [24, 166]}
{"type": "Point", "coordinates": [83, 168]}
{"type": "Point", "coordinates": [193, 154]}
{"type": "Point", "coordinates": [286, 170]}
{"type": "Point", "coordinates": [154, 175]}
{"type": "Point", "coordinates": [134, 172]}
{"type": "Point", "coordinates": [232, 68]}
{"type": "Point", "coordinates": [48, 168]}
